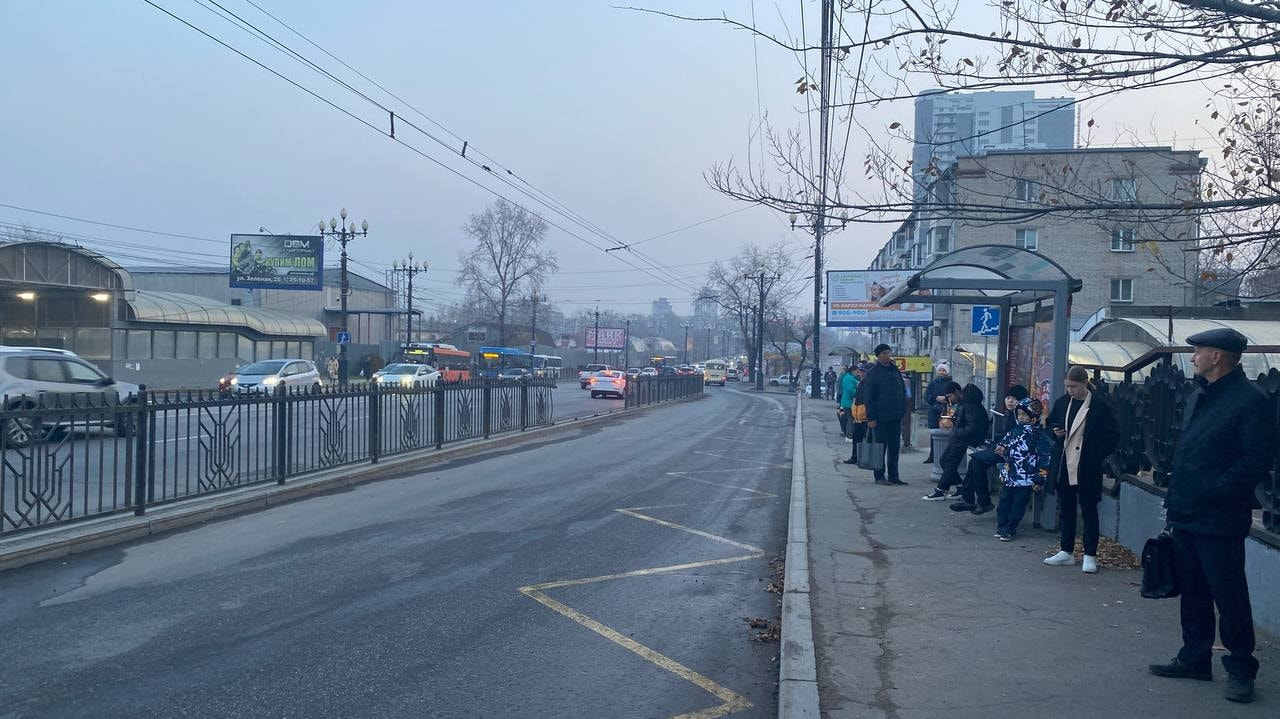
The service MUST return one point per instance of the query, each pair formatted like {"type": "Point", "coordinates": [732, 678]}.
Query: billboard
{"type": "Point", "coordinates": [277, 262]}
{"type": "Point", "coordinates": [853, 298]}
{"type": "Point", "coordinates": [611, 338]}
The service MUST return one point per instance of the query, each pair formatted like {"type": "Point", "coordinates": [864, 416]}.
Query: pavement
{"type": "Point", "coordinates": [918, 611]}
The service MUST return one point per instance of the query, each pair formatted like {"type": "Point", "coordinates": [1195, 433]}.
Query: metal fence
{"type": "Point", "coordinates": [643, 390]}
{"type": "Point", "coordinates": [69, 457]}
{"type": "Point", "coordinates": [1149, 413]}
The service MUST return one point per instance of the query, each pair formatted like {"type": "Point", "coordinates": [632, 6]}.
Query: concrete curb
{"type": "Point", "coordinates": [82, 536]}
{"type": "Point", "coordinates": [797, 668]}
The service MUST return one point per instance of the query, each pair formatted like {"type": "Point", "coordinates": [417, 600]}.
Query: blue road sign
{"type": "Point", "coordinates": [986, 321]}
{"type": "Point", "coordinates": [344, 338]}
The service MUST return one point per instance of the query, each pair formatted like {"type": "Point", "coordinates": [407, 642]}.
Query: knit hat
{"type": "Point", "coordinates": [881, 348]}
{"type": "Point", "coordinates": [1017, 392]}
{"type": "Point", "coordinates": [942, 367]}
{"type": "Point", "coordinates": [1031, 406]}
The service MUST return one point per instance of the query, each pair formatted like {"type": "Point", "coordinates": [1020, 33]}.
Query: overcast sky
{"type": "Point", "coordinates": [119, 113]}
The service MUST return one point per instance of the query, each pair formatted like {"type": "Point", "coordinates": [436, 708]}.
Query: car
{"type": "Point", "coordinates": [31, 377]}
{"type": "Point", "coordinates": [407, 374]}
{"type": "Point", "coordinates": [731, 374]}
{"type": "Point", "coordinates": [584, 377]}
{"type": "Point", "coordinates": [514, 373]}
{"type": "Point", "coordinates": [224, 382]}
{"type": "Point", "coordinates": [782, 380]}
{"type": "Point", "coordinates": [265, 376]}
{"type": "Point", "coordinates": [633, 372]}
{"type": "Point", "coordinates": [685, 369]}
{"type": "Point", "coordinates": [649, 371]}
{"type": "Point", "coordinates": [607, 383]}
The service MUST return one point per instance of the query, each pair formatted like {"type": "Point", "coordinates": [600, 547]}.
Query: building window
{"type": "Point", "coordinates": [139, 345]}
{"type": "Point", "coordinates": [1027, 239]}
{"type": "Point", "coordinates": [1028, 191]}
{"type": "Point", "coordinates": [162, 345]}
{"type": "Point", "coordinates": [1122, 239]}
{"type": "Point", "coordinates": [941, 239]}
{"type": "Point", "coordinates": [1122, 290]}
{"type": "Point", "coordinates": [1124, 189]}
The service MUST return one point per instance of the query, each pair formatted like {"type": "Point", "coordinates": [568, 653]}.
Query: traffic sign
{"type": "Point", "coordinates": [986, 321]}
{"type": "Point", "coordinates": [344, 338]}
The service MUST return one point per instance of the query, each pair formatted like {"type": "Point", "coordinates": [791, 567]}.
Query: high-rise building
{"type": "Point", "coordinates": [951, 124]}
{"type": "Point", "coordinates": [663, 316]}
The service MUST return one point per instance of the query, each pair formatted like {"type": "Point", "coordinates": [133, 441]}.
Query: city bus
{"type": "Point", "coordinates": [496, 359]}
{"type": "Point", "coordinates": [454, 364]}
{"type": "Point", "coordinates": [547, 366]}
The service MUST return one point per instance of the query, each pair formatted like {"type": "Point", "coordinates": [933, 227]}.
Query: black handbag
{"type": "Point", "coordinates": [1159, 575]}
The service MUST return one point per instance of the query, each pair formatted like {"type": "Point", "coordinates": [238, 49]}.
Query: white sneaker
{"type": "Point", "coordinates": [1061, 559]}
{"type": "Point", "coordinates": [1090, 565]}
{"type": "Point", "coordinates": [849, 440]}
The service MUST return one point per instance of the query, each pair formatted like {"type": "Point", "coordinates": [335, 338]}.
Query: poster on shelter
{"type": "Point", "coordinates": [853, 300]}
{"type": "Point", "coordinates": [277, 262]}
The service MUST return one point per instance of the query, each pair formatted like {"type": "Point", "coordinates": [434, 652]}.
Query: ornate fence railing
{"type": "Point", "coordinates": [643, 391]}
{"type": "Point", "coordinates": [66, 457]}
{"type": "Point", "coordinates": [1149, 413]}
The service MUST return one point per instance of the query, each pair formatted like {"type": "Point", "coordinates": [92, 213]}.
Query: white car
{"type": "Point", "coordinates": [584, 377]}
{"type": "Point", "coordinates": [514, 373]}
{"type": "Point", "coordinates": [407, 374]}
{"type": "Point", "coordinates": [649, 371]}
{"type": "Point", "coordinates": [609, 383]}
{"type": "Point", "coordinates": [266, 375]}
{"type": "Point", "coordinates": [782, 380]}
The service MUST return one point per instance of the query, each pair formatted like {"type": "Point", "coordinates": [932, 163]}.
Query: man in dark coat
{"type": "Point", "coordinates": [935, 396]}
{"type": "Point", "coordinates": [969, 430]}
{"type": "Point", "coordinates": [1226, 446]}
{"type": "Point", "coordinates": [885, 397]}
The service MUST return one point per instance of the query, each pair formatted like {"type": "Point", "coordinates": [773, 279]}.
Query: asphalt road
{"type": "Point", "coordinates": [600, 572]}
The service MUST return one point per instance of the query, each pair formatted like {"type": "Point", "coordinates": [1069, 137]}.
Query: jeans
{"type": "Point", "coordinates": [1068, 500]}
{"type": "Point", "coordinates": [1211, 571]}
{"type": "Point", "coordinates": [1013, 504]}
{"type": "Point", "coordinates": [890, 434]}
{"type": "Point", "coordinates": [844, 423]}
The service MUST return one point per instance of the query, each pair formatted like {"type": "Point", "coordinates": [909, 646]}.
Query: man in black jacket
{"type": "Point", "coordinates": [969, 429]}
{"type": "Point", "coordinates": [1226, 446]}
{"type": "Point", "coordinates": [885, 397]}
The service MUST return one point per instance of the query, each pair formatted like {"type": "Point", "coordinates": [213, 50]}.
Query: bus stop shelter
{"type": "Point", "coordinates": [1002, 276]}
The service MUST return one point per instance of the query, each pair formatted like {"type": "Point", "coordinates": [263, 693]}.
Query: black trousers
{"type": "Point", "coordinates": [1211, 571]}
{"type": "Point", "coordinates": [890, 433]}
{"type": "Point", "coordinates": [1069, 501]}
{"type": "Point", "coordinates": [976, 488]}
{"type": "Point", "coordinates": [859, 434]}
{"type": "Point", "coordinates": [844, 423]}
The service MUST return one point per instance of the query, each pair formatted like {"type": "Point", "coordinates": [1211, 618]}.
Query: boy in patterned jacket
{"type": "Point", "coordinates": [1026, 450]}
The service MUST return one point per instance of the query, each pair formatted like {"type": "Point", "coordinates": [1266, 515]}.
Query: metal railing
{"type": "Point", "coordinates": [68, 457]}
{"type": "Point", "coordinates": [643, 391]}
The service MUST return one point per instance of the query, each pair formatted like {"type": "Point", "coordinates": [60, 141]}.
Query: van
{"type": "Point", "coordinates": [713, 372]}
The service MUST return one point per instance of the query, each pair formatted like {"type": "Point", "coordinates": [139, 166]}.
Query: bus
{"type": "Point", "coordinates": [547, 366]}
{"type": "Point", "coordinates": [496, 359]}
{"type": "Point", "coordinates": [454, 364]}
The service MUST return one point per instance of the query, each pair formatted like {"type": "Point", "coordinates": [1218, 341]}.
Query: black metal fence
{"type": "Point", "coordinates": [68, 457]}
{"type": "Point", "coordinates": [1150, 416]}
{"type": "Point", "coordinates": [644, 390]}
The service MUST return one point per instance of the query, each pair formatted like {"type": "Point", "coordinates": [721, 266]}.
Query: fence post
{"type": "Point", "coordinates": [488, 399]}
{"type": "Point", "coordinates": [280, 421]}
{"type": "Point", "coordinates": [439, 391]}
{"type": "Point", "coordinates": [524, 402]}
{"type": "Point", "coordinates": [141, 438]}
{"type": "Point", "coordinates": [375, 422]}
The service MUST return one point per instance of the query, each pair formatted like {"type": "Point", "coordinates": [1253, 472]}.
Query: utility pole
{"type": "Point", "coordinates": [409, 269]}
{"type": "Point", "coordinates": [533, 323]}
{"type": "Point", "coordinates": [708, 350]}
{"type": "Point", "coordinates": [824, 137]}
{"type": "Point", "coordinates": [685, 325]}
{"type": "Point", "coordinates": [758, 359]}
{"type": "Point", "coordinates": [597, 341]}
{"type": "Point", "coordinates": [626, 346]}
{"type": "Point", "coordinates": [343, 236]}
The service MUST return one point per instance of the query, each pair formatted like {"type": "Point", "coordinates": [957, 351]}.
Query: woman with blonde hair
{"type": "Point", "coordinates": [1085, 434]}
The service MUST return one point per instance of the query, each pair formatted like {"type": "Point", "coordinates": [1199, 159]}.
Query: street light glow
{"type": "Point", "coordinates": [28, 296]}
{"type": "Point", "coordinates": [100, 296]}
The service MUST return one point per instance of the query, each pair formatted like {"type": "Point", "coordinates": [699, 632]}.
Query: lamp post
{"type": "Point", "coordinates": [708, 351]}
{"type": "Point", "coordinates": [685, 325]}
{"type": "Point", "coordinates": [818, 225]}
{"type": "Point", "coordinates": [343, 235]}
{"type": "Point", "coordinates": [626, 346]}
{"type": "Point", "coordinates": [409, 268]}
{"type": "Point", "coordinates": [533, 322]}
{"type": "Point", "coordinates": [596, 359]}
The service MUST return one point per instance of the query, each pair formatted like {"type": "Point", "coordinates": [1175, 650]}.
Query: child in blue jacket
{"type": "Point", "coordinates": [1026, 450]}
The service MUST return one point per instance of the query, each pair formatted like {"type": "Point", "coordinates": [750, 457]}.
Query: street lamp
{"type": "Point", "coordinates": [410, 269]}
{"type": "Point", "coordinates": [685, 325]}
{"type": "Point", "coordinates": [342, 235]}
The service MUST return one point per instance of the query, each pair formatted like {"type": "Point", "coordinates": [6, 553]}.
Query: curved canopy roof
{"type": "Point", "coordinates": [60, 264]}
{"type": "Point", "coordinates": [983, 272]}
{"type": "Point", "coordinates": [1154, 332]}
{"type": "Point", "coordinates": [179, 308]}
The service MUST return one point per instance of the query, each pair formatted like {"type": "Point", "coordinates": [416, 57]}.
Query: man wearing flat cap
{"type": "Point", "coordinates": [1225, 448]}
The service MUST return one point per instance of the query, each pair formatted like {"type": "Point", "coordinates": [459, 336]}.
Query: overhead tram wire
{"type": "Point", "coordinates": [567, 213]}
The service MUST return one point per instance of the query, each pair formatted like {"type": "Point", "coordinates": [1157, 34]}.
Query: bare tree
{"type": "Point", "coordinates": [783, 332]}
{"type": "Point", "coordinates": [508, 259]}
{"type": "Point", "coordinates": [735, 286]}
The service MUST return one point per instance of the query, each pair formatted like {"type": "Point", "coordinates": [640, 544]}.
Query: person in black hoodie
{"type": "Point", "coordinates": [969, 429]}
{"type": "Point", "coordinates": [975, 494]}
{"type": "Point", "coordinates": [885, 397]}
{"type": "Point", "coordinates": [1227, 445]}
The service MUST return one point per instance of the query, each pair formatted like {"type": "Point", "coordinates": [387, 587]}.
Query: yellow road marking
{"type": "Point", "coordinates": [731, 700]}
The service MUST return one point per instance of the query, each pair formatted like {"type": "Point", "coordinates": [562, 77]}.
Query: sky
{"type": "Point", "coordinates": [119, 113]}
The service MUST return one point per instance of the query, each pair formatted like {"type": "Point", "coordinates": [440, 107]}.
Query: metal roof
{"type": "Point", "coordinates": [983, 272]}
{"type": "Point", "coordinates": [1154, 332]}
{"type": "Point", "coordinates": [179, 308]}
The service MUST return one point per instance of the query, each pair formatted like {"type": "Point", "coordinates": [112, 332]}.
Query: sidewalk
{"type": "Point", "coordinates": [919, 611]}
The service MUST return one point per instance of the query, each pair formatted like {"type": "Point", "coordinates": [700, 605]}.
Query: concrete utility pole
{"type": "Point", "coordinates": [597, 342]}
{"type": "Point", "coordinates": [824, 110]}
{"type": "Point", "coordinates": [343, 235]}
{"type": "Point", "coordinates": [685, 325]}
{"type": "Point", "coordinates": [626, 346]}
{"type": "Point", "coordinates": [758, 355]}
{"type": "Point", "coordinates": [409, 269]}
{"type": "Point", "coordinates": [533, 323]}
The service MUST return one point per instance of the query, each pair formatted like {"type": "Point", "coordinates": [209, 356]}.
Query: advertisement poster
{"type": "Point", "coordinates": [1019, 363]}
{"type": "Point", "coordinates": [853, 298]}
{"type": "Point", "coordinates": [1030, 360]}
{"type": "Point", "coordinates": [277, 262]}
{"type": "Point", "coordinates": [611, 338]}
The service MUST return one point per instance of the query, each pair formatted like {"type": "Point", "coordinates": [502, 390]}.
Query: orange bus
{"type": "Point", "coordinates": [454, 364]}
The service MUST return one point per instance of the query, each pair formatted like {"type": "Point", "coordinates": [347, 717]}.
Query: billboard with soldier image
{"type": "Point", "coordinates": [277, 262]}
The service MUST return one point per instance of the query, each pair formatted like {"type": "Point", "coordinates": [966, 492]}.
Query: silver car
{"type": "Point", "coordinates": [407, 374]}
{"type": "Point", "coordinates": [34, 377]}
{"type": "Point", "coordinates": [265, 376]}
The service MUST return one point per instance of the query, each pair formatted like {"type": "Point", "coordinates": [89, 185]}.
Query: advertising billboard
{"type": "Point", "coordinates": [611, 338]}
{"type": "Point", "coordinates": [853, 298]}
{"type": "Point", "coordinates": [277, 262]}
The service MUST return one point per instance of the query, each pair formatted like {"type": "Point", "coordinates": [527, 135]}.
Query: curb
{"type": "Point", "coordinates": [84, 535]}
{"type": "Point", "coordinates": [797, 668]}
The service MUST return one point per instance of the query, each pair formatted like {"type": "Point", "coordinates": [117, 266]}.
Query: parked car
{"type": "Point", "coordinates": [265, 375]}
{"type": "Point", "coordinates": [784, 380]}
{"type": "Point", "coordinates": [731, 374]}
{"type": "Point", "coordinates": [31, 377]}
{"type": "Point", "coordinates": [584, 377]}
{"type": "Point", "coordinates": [407, 374]}
{"type": "Point", "coordinates": [514, 373]}
{"type": "Point", "coordinates": [609, 383]}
